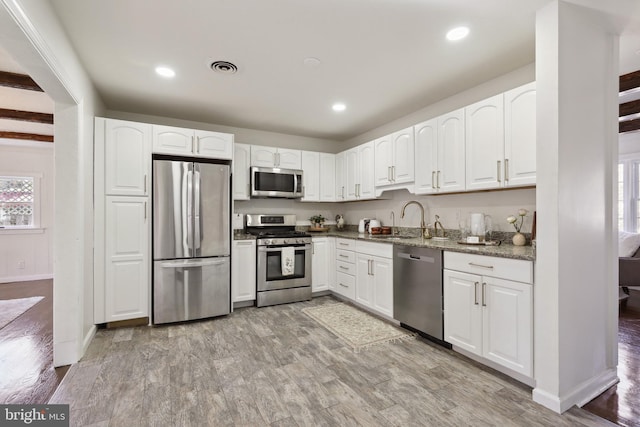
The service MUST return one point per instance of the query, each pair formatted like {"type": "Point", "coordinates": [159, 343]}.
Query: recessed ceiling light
{"type": "Point", "coordinates": [457, 33]}
{"type": "Point", "coordinates": [311, 62]}
{"type": "Point", "coordinates": [165, 72]}
{"type": "Point", "coordinates": [339, 106]}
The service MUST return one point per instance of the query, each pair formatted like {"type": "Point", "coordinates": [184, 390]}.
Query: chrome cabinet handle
{"type": "Point", "coordinates": [343, 244]}
{"type": "Point", "coordinates": [313, 248]}
{"type": "Point", "coordinates": [393, 173]}
{"type": "Point", "coordinates": [343, 256]}
{"type": "Point", "coordinates": [343, 191]}
{"type": "Point", "coordinates": [484, 301]}
{"type": "Point", "coordinates": [197, 144]}
{"type": "Point", "coordinates": [389, 173]}
{"type": "Point", "coordinates": [438, 181]}
{"type": "Point", "coordinates": [433, 179]}
{"type": "Point", "coordinates": [145, 211]}
{"type": "Point", "coordinates": [373, 273]}
{"type": "Point", "coordinates": [342, 267]}
{"type": "Point", "coordinates": [475, 293]}
{"type": "Point", "coordinates": [499, 162]}
{"type": "Point", "coordinates": [343, 285]}
{"type": "Point", "coordinates": [489, 267]}
{"type": "Point", "coordinates": [506, 170]}
{"type": "Point", "coordinates": [145, 183]}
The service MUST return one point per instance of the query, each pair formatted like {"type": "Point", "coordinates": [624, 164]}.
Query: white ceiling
{"type": "Point", "coordinates": [383, 58]}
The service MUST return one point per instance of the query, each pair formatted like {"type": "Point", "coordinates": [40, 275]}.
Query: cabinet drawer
{"type": "Point", "coordinates": [347, 244]}
{"type": "Point", "coordinates": [346, 285]}
{"type": "Point", "coordinates": [503, 268]}
{"type": "Point", "coordinates": [346, 256]}
{"type": "Point", "coordinates": [384, 250]}
{"type": "Point", "coordinates": [346, 268]}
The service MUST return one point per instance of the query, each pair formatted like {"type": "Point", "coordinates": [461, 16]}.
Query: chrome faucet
{"type": "Point", "coordinates": [435, 227]}
{"type": "Point", "coordinates": [423, 227]}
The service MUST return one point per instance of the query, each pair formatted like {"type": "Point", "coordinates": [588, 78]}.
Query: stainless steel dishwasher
{"type": "Point", "coordinates": [417, 290]}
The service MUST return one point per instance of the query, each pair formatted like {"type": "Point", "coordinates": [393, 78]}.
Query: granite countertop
{"type": "Point", "coordinates": [241, 235]}
{"type": "Point", "coordinates": [505, 250]}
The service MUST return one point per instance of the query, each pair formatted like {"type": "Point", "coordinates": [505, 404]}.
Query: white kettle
{"type": "Point", "coordinates": [363, 225]}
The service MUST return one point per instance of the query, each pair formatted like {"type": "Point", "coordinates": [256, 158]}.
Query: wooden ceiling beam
{"type": "Point", "coordinates": [629, 126]}
{"type": "Point", "coordinates": [26, 116]}
{"type": "Point", "coordinates": [18, 81]}
{"type": "Point", "coordinates": [26, 136]}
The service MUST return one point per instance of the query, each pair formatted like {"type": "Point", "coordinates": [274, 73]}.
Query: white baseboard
{"type": "Point", "coordinates": [580, 395]}
{"type": "Point", "coordinates": [26, 278]}
{"type": "Point", "coordinates": [87, 339]}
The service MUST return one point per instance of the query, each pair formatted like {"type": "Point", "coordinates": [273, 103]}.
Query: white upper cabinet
{"type": "Point", "coordinates": [189, 142]}
{"type": "Point", "coordinates": [127, 156]}
{"type": "Point", "coordinates": [394, 159]}
{"type": "Point", "coordinates": [341, 177]}
{"type": "Point", "coordinates": [327, 177]}
{"type": "Point", "coordinates": [271, 157]}
{"type": "Point", "coordinates": [352, 173]}
{"type": "Point", "coordinates": [440, 154]}
{"type": "Point", "coordinates": [241, 161]}
{"type": "Point", "coordinates": [484, 123]}
{"type": "Point", "coordinates": [520, 135]}
{"type": "Point", "coordinates": [311, 178]}
{"type": "Point", "coordinates": [366, 184]}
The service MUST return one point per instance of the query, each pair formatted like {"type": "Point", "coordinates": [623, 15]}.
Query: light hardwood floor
{"type": "Point", "coordinates": [276, 366]}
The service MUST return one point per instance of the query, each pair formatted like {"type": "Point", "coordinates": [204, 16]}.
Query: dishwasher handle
{"type": "Point", "coordinates": [412, 257]}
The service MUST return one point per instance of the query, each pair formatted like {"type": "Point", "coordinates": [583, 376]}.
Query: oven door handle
{"type": "Point", "coordinates": [279, 248]}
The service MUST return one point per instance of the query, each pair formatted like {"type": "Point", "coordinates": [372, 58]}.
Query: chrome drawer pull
{"type": "Point", "coordinates": [343, 285]}
{"type": "Point", "coordinates": [489, 267]}
{"type": "Point", "coordinates": [343, 256]}
{"type": "Point", "coordinates": [343, 267]}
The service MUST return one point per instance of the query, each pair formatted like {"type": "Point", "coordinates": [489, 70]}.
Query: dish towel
{"type": "Point", "coordinates": [288, 258]}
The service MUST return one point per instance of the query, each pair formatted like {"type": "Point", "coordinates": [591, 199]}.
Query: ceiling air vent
{"type": "Point", "coordinates": [223, 67]}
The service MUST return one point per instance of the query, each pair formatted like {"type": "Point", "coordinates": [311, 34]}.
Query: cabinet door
{"type": "Point", "coordinates": [327, 177]}
{"type": "Point", "coordinates": [215, 145]}
{"type": "Point", "coordinates": [366, 188]}
{"type": "Point", "coordinates": [382, 271]}
{"type": "Point", "coordinates": [341, 184]}
{"type": "Point", "coordinates": [320, 264]}
{"type": "Point", "coordinates": [243, 270]}
{"type": "Point", "coordinates": [127, 258]}
{"type": "Point", "coordinates": [426, 158]}
{"type": "Point", "coordinates": [463, 310]}
{"type": "Point", "coordinates": [364, 280]}
{"type": "Point", "coordinates": [172, 140]}
{"type": "Point", "coordinates": [451, 154]}
{"type": "Point", "coordinates": [263, 156]}
{"type": "Point", "coordinates": [484, 124]}
{"type": "Point", "coordinates": [403, 156]}
{"type": "Point", "coordinates": [241, 161]}
{"type": "Point", "coordinates": [352, 173]}
{"type": "Point", "coordinates": [520, 136]}
{"type": "Point", "coordinates": [289, 159]}
{"type": "Point", "coordinates": [383, 153]}
{"type": "Point", "coordinates": [507, 324]}
{"type": "Point", "coordinates": [127, 157]}
{"type": "Point", "coordinates": [311, 178]}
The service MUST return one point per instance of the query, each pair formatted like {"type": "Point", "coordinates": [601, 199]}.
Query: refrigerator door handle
{"type": "Point", "coordinates": [196, 209]}
{"type": "Point", "coordinates": [189, 216]}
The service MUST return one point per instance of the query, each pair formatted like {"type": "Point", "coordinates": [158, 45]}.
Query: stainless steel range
{"type": "Point", "coordinates": [283, 259]}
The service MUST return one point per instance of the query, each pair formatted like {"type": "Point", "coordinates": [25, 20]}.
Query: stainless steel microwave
{"type": "Point", "coordinates": [276, 182]}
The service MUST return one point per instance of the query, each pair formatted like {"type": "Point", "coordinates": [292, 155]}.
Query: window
{"type": "Point", "coordinates": [629, 194]}
{"type": "Point", "coordinates": [19, 201]}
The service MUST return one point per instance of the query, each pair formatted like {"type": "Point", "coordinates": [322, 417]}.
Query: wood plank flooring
{"type": "Point", "coordinates": [26, 347]}
{"type": "Point", "coordinates": [621, 403]}
{"type": "Point", "coordinates": [276, 366]}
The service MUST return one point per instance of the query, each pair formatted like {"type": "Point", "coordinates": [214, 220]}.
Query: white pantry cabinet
{"type": "Point", "coordinates": [395, 159]}
{"type": "Point", "coordinates": [243, 270]}
{"type": "Point", "coordinates": [488, 308]}
{"type": "Point", "coordinates": [322, 263]}
{"type": "Point", "coordinates": [241, 161]}
{"type": "Point", "coordinates": [271, 157]}
{"type": "Point", "coordinates": [374, 276]}
{"type": "Point", "coordinates": [127, 156]}
{"type": "Point", "coordinates": [189, 142]}
{"type": "Point", "coordinates": [440, 154]}
{"type": "Point", "coordinates": [127, 250]}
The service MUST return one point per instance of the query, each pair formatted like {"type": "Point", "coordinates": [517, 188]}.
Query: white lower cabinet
{"type": "Point", "coordinates": [127, 261]}
{"type": "Point", "coordinates": [345, 268]}
{"type": "Point", "coordinates": [322, 263]}
{"type": "Point", "coordinates": [243, 270]}
{"type": "Point", "coordinates": [491, 317]}
{"type": "Point", "coordinates": [374, 276]}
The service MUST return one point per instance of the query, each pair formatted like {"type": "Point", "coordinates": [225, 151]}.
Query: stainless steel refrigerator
{"type": "Point", "coordinates": [191, 240]}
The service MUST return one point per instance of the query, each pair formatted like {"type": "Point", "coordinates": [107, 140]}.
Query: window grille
{"type": "Point", "coordinates": [16, 201]}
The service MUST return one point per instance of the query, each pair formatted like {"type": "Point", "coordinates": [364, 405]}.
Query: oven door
{"type": "Point", "coordinates": [269, 268]}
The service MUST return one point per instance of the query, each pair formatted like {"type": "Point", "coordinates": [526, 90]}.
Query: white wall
{"type": "Point", "coordinates": [33, 36]}
{"type": "Point", "coordinates": [242, 135]}
{"type": "Point", "coordinates": [33, 247]}
{"type": "Point", "coordinates": [629, 143]}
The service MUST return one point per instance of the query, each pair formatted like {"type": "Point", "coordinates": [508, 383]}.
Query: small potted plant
{"type": "Point", "coordinates": [317, 221]}
{"type": "Point", "coordinates": [518, 239]}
